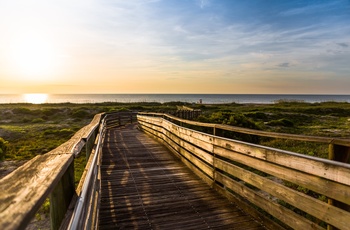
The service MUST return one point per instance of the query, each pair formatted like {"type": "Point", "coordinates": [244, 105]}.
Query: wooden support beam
{"type": "Point", "coordinates": [61, 197]}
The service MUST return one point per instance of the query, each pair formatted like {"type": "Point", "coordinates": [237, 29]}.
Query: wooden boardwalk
{"type": "Point", "coordinates": [144, 186]}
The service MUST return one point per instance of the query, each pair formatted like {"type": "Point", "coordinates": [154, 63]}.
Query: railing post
{"type": "Point", "coordinates": [341, 154]}
{"type": "Point", "coordinates": [61, 196]}
{"type": "Point", "coordinates": [90, 144]}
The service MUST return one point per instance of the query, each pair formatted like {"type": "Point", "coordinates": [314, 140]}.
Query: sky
{"type": "Point", "coordinates": [175, 46]}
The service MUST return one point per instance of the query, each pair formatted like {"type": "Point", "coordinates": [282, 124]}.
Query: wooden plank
{"type": "Point", "coordinates": [331, 189]}
{"type": "Point", "coordinates": [173, 142]}
{"type": "Point", "coordinates": [25, 189]}
{"type": "Point", "coordinates": [200, 139]}
{"type": "Point", "coordinates": [188, 155]}
{"type": "Point", "coordinates": [168, 142]}
{"type": "Point", "coordinates": [190, 147]}
{"type": "Point", "coordinates": [321, 210]}
{"type": "Point", "coordinates": [248, 208]}
{"type": "Point", "coordinates": [331, 170]}
{"type": "Point", "coordinates": [285, 215]}
{"type": "Point", "coordinates": [151, 120]}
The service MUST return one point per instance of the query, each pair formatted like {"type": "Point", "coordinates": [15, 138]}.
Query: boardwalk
{"type": "Point", "coordinates": [145, 187]}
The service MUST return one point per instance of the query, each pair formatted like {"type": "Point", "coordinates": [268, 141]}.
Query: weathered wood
{"type": "Point", "coordinates": [61, 197]}
{"type": "Point", "coordinates": [189, 164]}
{"type": "Point", "coordinates": [285, 215]}
{"type": "Point", "coordinates": [331, 170]}
{"type": "Point", "coordinates": [320, 175]}
{"type": "Point", "coordinates": [145, 187]}
{"type": "Point", "coordinates": [315, 207]}
{"type": "Point", "coordinates": [248, 208]}
{"type": "Point", "coordinates": [25, 189]}
{"type": "Point", "coordinates": [178, 145]}
{"type": "Point", "coordinates": [331, 189]}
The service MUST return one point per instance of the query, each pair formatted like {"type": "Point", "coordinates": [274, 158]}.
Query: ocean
{"type": "Point", "coordinates": [190, 98]}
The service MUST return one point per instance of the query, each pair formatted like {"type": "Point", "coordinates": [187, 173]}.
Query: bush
{"type": "Point", "coordinates": [80, 113]}
{"type": "Point", "coordinates": [242, 121]}
{"type": "Point", "coordinates": [22, 111]}
{"type": "Point", "coordinates": [281, 122]}
{"type": "Point", "coordinates": [3, 148]}
{"type": "Point", "coordinates": [38, 120]}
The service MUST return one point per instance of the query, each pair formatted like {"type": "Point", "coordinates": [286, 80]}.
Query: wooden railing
{"type": "Point", "coordinates": [186, 112]}
{"type": "Point", "coordinates": [52, 175]}
{"type": "Point", "coordinates": [262, 180]}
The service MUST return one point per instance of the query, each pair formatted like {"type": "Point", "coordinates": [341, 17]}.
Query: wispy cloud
{"type": "Point", "coordinates": [203, 3]}
{"type": "Point", "coordinates": [310, 8]}
{"type": "Point", "coordinates": [284, 65]}
{"type": "Point", "coordinates": [343, 44]}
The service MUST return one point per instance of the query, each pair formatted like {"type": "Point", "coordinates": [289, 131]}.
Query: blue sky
{"type": "Point", "coordinates": [175, 46]}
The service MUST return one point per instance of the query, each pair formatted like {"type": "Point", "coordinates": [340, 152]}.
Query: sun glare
{"type": "Point", "coordinates": [33, 57]}
{"type": "Point", "coordinates": [35, 98]}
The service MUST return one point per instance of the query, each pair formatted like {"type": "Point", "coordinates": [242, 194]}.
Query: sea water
{"type": "Point", "coordinates": [161, 98]}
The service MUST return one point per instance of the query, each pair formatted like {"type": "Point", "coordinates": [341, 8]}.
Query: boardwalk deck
{"type": "Point", "coordinates": [144, 186]}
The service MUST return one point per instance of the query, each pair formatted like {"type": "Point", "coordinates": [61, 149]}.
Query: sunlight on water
{"type": "Point", "coordinates": [35, 98]}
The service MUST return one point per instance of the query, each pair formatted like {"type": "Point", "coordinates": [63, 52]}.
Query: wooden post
{"type": "Point", "coordinates": [330, 157]}
{"type": "Point", "coordinates": [341, 154]}
{"type": "Point", "coordinates": [90, 144]}
{"type": "Point", "coordinates": [61, 197]}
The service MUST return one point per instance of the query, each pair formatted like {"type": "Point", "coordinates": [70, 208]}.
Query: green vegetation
{"type": "Point", "coordinates": [3, 148]}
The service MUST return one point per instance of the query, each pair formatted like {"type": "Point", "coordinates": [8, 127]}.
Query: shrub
{"type": "Point", "coordinates": [257, 115]}
{"type": "Point", "coordinates": [3, 148]}
{"type": "Point", "coordinates": [22, 111]}
{"type": "Point", "coordinates": [38, 120]}
{"type": "Point", "coordinates": [80, 113]}
{"type": "Point", "coordinates": [50, 111]}
{"type": "Point", "coordinates": [281, 122]}
{"type": "Point", "coordinates": [242, 121]}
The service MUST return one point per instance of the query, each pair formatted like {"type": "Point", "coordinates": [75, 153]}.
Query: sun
{"type": "Point", "coordinates": [33, 57]}
{"type": "Point", "coordinates": [36, 98]}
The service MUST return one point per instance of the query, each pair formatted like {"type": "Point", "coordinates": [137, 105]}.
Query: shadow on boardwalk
{"type": "Point", "coordinates": [144, 186]}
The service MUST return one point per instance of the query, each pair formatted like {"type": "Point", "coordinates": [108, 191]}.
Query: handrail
{"type": "Point", "coordinates": [84, 209]}
{"type": "Point", "coordinates": [260, 175]}
{"type": "Point", "coordinates": [74, 223]}
{"type": "Point", "coordinates": [25, 189]}
{"type": "Point", "coordinates": [328, 140]}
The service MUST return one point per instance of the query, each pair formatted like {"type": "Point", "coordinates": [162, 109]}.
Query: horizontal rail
{"type": "Point", "coordinates": [265, 177]}
{"type": "Point", "coordinates": [328, 140]}
{"type": "Point", "coordinates": [77, 221]}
